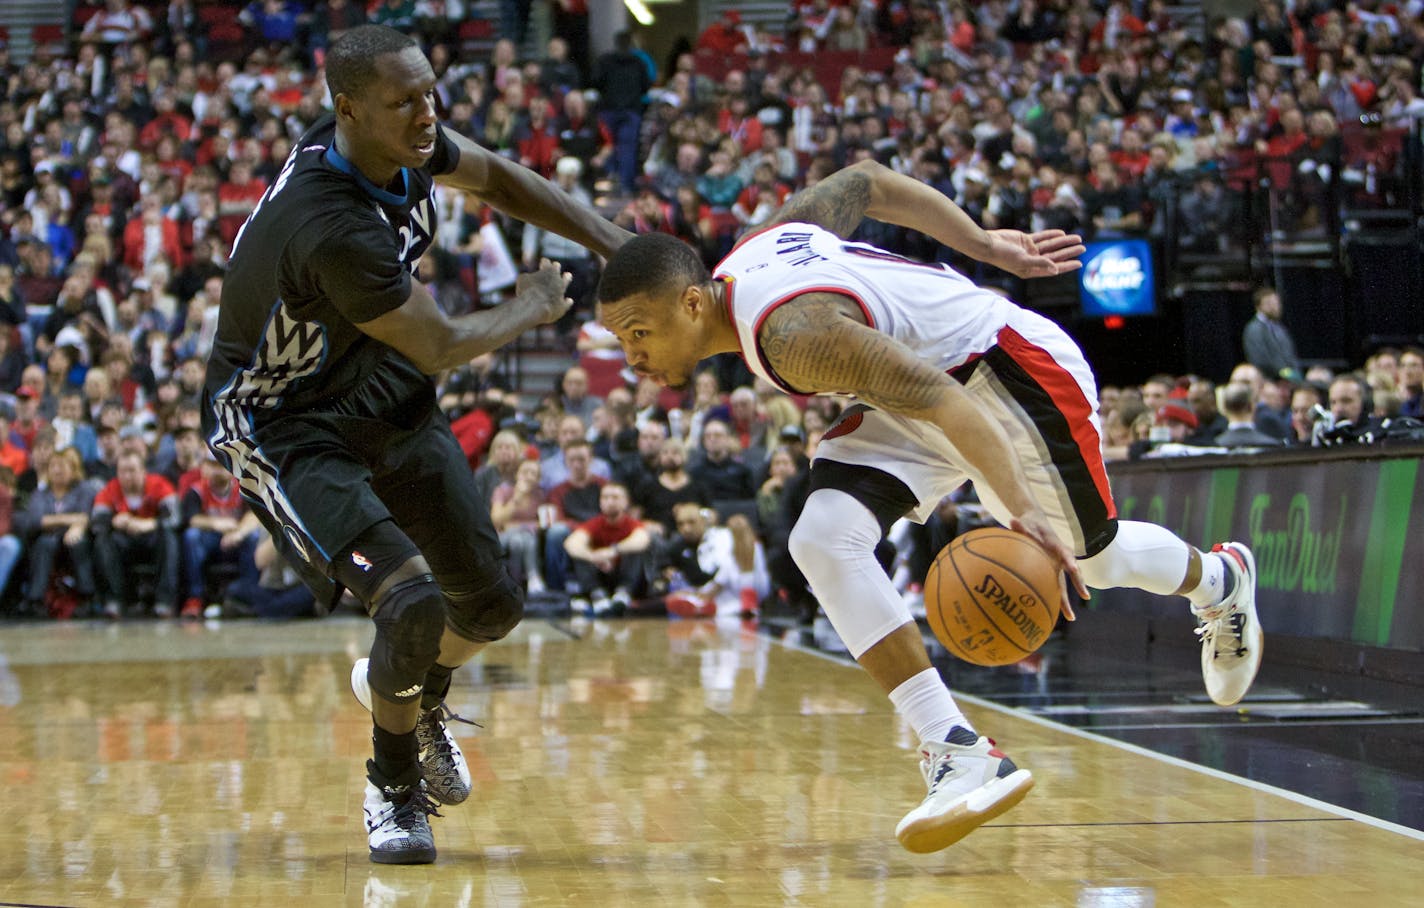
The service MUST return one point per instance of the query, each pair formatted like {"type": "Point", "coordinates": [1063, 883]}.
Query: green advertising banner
{"type": "Point", "coordinates": [1333, 544]}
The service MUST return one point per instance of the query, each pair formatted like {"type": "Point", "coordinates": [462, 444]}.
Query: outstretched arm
{"type": "Point", "coordinates": [817, 343]}
{"type": "Point", "coordinates": [520, 192]}
{"type": "Point", "coordinates": [870, 189]}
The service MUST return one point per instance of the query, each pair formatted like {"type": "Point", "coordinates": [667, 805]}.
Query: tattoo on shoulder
{"type": "Point", "coordinates": [816, 347]}
{"type": "Point", "coordinates": [837, 203]}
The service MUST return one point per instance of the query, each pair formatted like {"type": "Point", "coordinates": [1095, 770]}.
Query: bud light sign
{"type": "Point", "coordinates": [1117, 279]}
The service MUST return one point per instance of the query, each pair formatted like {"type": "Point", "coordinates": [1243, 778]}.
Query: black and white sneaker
{"type": "Point", "coordinates": [398, 819]}
{"type": "Point", "coordinates": [441, 761]}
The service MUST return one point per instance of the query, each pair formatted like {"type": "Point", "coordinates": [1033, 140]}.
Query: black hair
{"type": "Point", "coordinates": [651, 262]}
{"type": "Point", "coordinates": [350, 63]}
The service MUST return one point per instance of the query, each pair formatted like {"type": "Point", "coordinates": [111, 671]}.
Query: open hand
{"type": "Point", "coordinates": [1043, 254]}
{"type": "Point", "coordinates": [544, 289]}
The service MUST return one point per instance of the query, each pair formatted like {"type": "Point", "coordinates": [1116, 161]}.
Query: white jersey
{"type": "Point", "coordinates": [1021, 368]}
{"type": "Point", "coordinates": [935, 311]}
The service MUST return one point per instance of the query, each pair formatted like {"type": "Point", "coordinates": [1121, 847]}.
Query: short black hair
{"type": "Point", "coordinates": [350, 62]}
{"type": "Point", "coordinates": [650, 262]}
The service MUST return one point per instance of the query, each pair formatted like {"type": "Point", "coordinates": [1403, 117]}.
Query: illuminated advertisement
{"type": "Point", "coordinates": [1117, 279]}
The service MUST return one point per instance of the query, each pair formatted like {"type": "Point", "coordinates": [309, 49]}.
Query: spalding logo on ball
{"type": "Point", "coordinates": [992, 596]}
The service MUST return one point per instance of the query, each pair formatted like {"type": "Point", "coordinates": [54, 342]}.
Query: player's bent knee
{"type": "Point", "coordinates": [833, 528]}
{"type": "Point", "coordinates": [488, 613]}
{"type": "Point", "coordinates": [410, 619]}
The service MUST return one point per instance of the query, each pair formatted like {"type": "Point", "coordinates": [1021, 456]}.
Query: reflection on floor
{"type": "Point", "coordinates": [1352, 742]}
{"type": "Point", "coordinates": [621, 763]}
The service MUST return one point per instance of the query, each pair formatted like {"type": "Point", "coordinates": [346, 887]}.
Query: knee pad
{"type": "Point", "coordinates": [410, 619]}
{"type": "Point", "coordinates": [483, 613]}
{"type": "Point", "coordinates": [834, 544]}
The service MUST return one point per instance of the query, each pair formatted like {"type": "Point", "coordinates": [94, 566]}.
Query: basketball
{"type": "Point", "coordinates": [992, 596]}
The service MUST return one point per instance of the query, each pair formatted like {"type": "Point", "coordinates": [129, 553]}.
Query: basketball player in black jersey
{"type": "Point", "coordinates": [319, 400]}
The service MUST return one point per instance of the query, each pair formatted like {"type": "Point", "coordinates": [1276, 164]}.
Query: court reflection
{"type": "Point", "coordinates": [643, 762]}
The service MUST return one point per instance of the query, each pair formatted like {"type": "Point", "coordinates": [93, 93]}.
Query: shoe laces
{"type": "Point", "coordinates": [406, 814]}
{"type": "Point", "coordinates": [936, 764]}
{"type": "Point", "coordinates": [437, 719]}
{"type": "Point", "coordinates": [416, 807]}
{"type": "Point", "coordinates": [1224, 634]}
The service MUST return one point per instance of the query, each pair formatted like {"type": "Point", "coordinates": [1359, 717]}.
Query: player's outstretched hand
{"type": "Point", "coordinates": [544, 289]}
{"type": "Point", "coordinates": [1037, 529]}
{"type": "Point", "coordinates": [1043, 254]}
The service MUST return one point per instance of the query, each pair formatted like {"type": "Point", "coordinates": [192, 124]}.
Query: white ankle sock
{"type": "Point", "coordinates": [927, 704]}
{"type": "Point", "coordinates": [1213, 582]}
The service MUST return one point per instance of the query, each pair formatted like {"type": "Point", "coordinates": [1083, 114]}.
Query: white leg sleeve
{"type": "Point", "coordinates": [1143, 556]}
{"type": "Point", "coordinates": [834, 545]}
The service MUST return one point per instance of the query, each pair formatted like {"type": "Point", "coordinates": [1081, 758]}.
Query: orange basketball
{"type": "Point", "coordinates": [992, 596]}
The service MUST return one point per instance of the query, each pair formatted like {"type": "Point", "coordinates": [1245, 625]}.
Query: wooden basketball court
{"type": "Point", "coordinates": [624, 763]}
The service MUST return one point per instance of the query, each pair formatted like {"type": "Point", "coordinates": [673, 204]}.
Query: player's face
{"type": "Point", "coordinates": [657, 336]}
{"type": "Point", "coordinates": [394, 118]}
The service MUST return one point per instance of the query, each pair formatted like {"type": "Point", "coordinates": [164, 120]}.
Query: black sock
{"type": "Point", "coordinates": [437, 685]}
{"type": "Point", "coordinates": [395, 753]}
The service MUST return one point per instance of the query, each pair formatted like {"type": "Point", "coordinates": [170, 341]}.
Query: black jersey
{"type": "Point", "coordinates": [324, 249]}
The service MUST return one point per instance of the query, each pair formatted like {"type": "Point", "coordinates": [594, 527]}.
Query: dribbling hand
{"type": "Point", "coordinates": [1037, 529]}
{"type": "Point", "coordinates": [544, 289]}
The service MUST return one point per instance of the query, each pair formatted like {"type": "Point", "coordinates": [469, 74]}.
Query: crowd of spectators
{"type": "Point", "coordinates": [130, 158]}
{"type": "Point", "coordinates": [1184, 415]}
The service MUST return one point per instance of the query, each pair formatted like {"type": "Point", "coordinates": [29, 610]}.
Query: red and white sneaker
{"type": "Point", "coordinates": [970, 782]}
{"type": "Point", "coordinates": [1231, 638]}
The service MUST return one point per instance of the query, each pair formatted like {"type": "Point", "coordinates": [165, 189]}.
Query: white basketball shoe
{"type": "Point", "coordinates": [1231, 638]}
{"type": "Point", "coordinates": [970, 782]}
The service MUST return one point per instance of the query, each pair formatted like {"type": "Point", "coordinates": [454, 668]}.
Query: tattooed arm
{"type": "Point", "coordinates": [819, 342]}
{"type": "Point", "coordinates": [870, 189]}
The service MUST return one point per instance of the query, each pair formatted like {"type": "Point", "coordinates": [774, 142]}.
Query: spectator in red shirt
{"type": "Point", "coordinates": [166, 121]}
{"type": "Point", "coordinates": [763, 197]}
{"type": "Point", "coordinates": [724, 37]}
{"type": "Point", "coordinates": [1132, 158]}
{"type": "Point", "coordinates": [27, 421]}
{"type": "Point", "coordinates": [607, 553]}
{"type": "Point", "coordinates": [538, 140]}
{"type": "Point", "coordinates": [151, 236]}
{"type": "Point", "coordinates": [237, 196]}
{"type": "Point", "coordinates": [135, 519]}
{"type": "Point", "coordinates": [1281, 148]}
{"type": "Point", "coordinates": [214, 531]}
{"type": "Point", "coordinates": [12, 455]}
{"type": "Point", "coordinates": [577, 500]}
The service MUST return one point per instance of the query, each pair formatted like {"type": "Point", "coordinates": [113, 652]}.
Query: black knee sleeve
{"type": "Point", "coordinates": [410, 619]}
{"type": "Point", "coordinates": [485, 613]}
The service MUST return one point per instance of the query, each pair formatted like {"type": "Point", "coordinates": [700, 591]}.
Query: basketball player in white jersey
{"type": "Point", "coordinates": [954, 383]}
